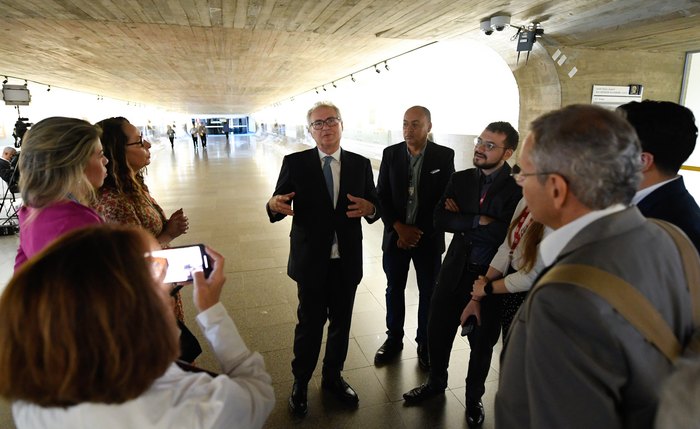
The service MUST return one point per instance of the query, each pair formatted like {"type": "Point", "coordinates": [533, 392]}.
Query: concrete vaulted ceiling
{"type": "Point", "coordinates": [239, 56]}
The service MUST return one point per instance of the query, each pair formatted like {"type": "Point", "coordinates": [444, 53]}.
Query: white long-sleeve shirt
{"type": "Point", "coordinates": [520, 280]}
{"type": "Point", "coordinates": [242, 397]}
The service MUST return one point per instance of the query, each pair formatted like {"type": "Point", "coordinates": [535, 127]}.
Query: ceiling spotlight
{"type": "Point", "coordinates": [48, 89]}
{"type": "Point", "coordinates": [486, 27]}
{"type": "Point", "coordinates": [4, 81]}
{"type": "Point", "coordinates": [386, 66]}
{"type": "Point", "coordinates": [376, 69]}
{"type": "Point", "coordinates": [352, 78]}
{"type": "Point", "coordinates": [25, 83]}
{"type": "Point", "coordinates": [316, 90]}
{"type": "Point", "coordinates": [324, 87]}
{"type": "Point", "coordinates": [334, 86]}
{"type": "Point", "coordinates": [499, 23]}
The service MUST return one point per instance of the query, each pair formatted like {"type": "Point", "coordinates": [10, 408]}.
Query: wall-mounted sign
{"type": "Point", "coordinates": [611, 96]}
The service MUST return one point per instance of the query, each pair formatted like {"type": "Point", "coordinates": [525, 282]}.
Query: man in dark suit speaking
{"type": "Point", "coordinates": [412, 178]}
{"type": "Point", "coordinates": [327, 190]}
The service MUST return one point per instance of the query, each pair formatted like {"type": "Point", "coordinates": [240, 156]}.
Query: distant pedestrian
{"type": "Point", "coordinates": [171, 136]}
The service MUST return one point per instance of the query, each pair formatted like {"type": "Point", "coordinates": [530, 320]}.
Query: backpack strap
{"type": "Point", "coordinates": [691, 264]}
{"type": "Point", "coordinates": [691, 267]}
{"type": "Point", "coordinates": [624, 298]}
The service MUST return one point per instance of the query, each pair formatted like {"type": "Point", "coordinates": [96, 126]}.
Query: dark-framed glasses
{"type": "Point", "coordinates": [331, 122]}
{"type": "Point", "coordinates": [519, 176]}
{"type": "Point", "coordinates": [140, 143]}
{"type": "Point", "coordinates": [487, 146]}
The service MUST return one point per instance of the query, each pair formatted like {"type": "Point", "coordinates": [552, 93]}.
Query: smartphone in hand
{"type": "Point", "coordinates": [469, 325]}
{"type": "Point", "coordinates": [183, 261]}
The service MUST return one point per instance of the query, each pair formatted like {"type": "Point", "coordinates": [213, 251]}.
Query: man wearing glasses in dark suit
{"type": "Point", "coordinates": [477, 207]}
{"type": "Point", "coordinates": [328, 191]}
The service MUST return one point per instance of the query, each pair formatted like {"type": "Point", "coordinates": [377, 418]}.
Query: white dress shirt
{"type": "Point", "coordinates": [552, 246]}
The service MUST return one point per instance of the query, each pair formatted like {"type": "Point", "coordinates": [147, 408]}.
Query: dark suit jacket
{"type": "Point", "coordinates": [672, 203]}
{"type": "Point", "coordinates": [500, 202]}
{"type": "Point", "coordinates": [392, 189]}
{"type": "Point", "coordinates": [315, 221]}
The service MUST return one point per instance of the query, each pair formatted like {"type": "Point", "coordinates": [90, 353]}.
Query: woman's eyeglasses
{"type": "Point", "coordinates": [141, 143]}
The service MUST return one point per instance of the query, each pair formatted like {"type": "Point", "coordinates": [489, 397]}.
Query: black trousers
{"type": "Point", "coordinates": [396, 264]}
{"type": "Point", "coordinates": [446, 308]}
{"type": "Point", "coordinates": [330, 299]}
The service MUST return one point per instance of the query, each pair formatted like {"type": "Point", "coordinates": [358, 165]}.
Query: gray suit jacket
{"type": "Point", "coordinates": [571, 361]}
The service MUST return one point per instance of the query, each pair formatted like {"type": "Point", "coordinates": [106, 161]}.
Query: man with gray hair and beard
{"type": "Point", "coordinates": [571, 360]}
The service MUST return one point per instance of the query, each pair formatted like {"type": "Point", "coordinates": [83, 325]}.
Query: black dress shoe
{"type": "Point", "coordinates": [475, 413]}
{"type": "Point", "coordinates": [423, 357]}
{"type": "Point", "coordinates": [341, 390]}
{"type": "Point", "coordinates": [297, 401]}
{"type": "Point", "coordinates": [388, 351]}
{"type": "Point", "coordinates": [422, 392]}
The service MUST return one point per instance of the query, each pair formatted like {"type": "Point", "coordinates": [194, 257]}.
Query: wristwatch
{"type": "Point", "coordinates": [488, 288]}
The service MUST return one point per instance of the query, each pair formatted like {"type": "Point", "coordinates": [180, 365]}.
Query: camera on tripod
{"type": "Point", "coordinates": [21, 127]}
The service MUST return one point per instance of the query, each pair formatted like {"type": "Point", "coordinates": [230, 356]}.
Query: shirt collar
{"type": "Point", "coordinates": [643, 193]}
{"type": "Point", "coordinates": [335, 155]}
{"type": "Point", "coordinates": [552, 245]}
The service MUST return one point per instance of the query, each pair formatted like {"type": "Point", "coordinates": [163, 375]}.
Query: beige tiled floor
{"type": "Point", "coordinates": [223, 190]}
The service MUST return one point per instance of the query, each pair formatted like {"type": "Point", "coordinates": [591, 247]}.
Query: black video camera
{"type": "Point", "coordinates": [21, 127]}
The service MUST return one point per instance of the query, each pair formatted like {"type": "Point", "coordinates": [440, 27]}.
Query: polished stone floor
{"type": "Point", "coordinates": [223, 191]}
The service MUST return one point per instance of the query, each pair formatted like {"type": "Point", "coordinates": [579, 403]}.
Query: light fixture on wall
{"type": "Point", "coordinates": [376, 69]}
{"type": "Point", "coordinates": [324, 88]}
{"type": "Point", "coordinates": [48, 89]}
{"type": "Point", "coordinates": [316, 90]}
{"type": "Point", "coordinates": [333, 83]}
{"type": "Point", "coordinates": [386, 66]}
{"type": "Point", "coordinates": [352, 78]}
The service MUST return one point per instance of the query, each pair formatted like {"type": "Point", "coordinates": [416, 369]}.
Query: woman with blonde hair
{"type": "Point", "coordinates": [61, 166]}
{"type": "Point", "coordinates": [87, 339]}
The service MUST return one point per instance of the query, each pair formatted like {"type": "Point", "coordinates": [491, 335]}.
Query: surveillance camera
{"type": "Point", "coordinates": [486, 27]}
{"type": "Point", "coordinates": [500, 22]}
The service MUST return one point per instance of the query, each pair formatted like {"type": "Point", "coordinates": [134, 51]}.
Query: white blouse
{"type": "Point", "coordinates": [242, 397]}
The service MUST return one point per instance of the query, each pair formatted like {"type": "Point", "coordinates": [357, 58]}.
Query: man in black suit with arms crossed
{"type": "Point", "coordinates": [331, 190]}
{"type": "Point", "coordinates": [412, 177]}
{"type": "Point", "coordinates": [477, 207]}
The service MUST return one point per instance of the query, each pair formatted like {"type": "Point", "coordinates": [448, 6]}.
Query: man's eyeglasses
{"type": "Point", "coordinates": [487, 146]}
{"type": "Point", "coordinates": [331, 122]}
{"type": "Point", "coordinates": [140, 143]}
{"type": "Point", "coordinates": [519, 177]}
